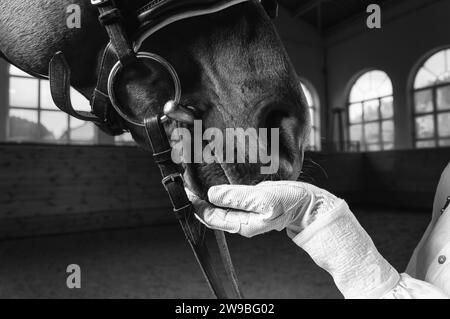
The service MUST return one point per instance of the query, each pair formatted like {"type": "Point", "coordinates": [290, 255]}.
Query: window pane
{"type": "Point", "coordinates": [46, 96]}
{"type": "Point", "coordinates": [357, 95]}
{"type": "Point", "coordinates": [443, 98]}
{"type": "Point", "coordinates": [355, 133]}
{"type": "Point", "coordinates": [373, 147]}
{"type": "Point", "coordinates": [444, 143]}
{"type": "Point", "coordinates": [424, 101]}
{"type": "Point", "coordinates": [312, 113]}
{"type": "Point", "coordinates": [435, 70]}
{"type": "Point", "coordinates": [79, 102]}
{"type": "Point", "coordinates": [355, 113]}
{"type": "Point", "coordinates": [388, 147]}
{"type": "Point", "coordinates": [447, 55]}
{"type": "Point", "coordinates": [444, 77]}
{"type": "Point", "coordinates": [385, 88]}
{"type": "Point", "coordinates": [425, 126]}
{"type": "Point", "coordinates": [23, 92]}
{"type": "Point", "coordinates": [424, 78]}
{"type": "Point", "coordinates": [124, 139]}
{"type": "Point", "coordinates": [377, 79]}
{"type": "Point", "coordinates": [312, 138]}
{"type": "Point", "coordinates": [387, 108]}
{"type": "Point", "coordinates": [444, 124]}
{"type": "Point", "coordinates": [308, 95]}
{"type": "Point", "coordinates": [81, 132]}
{"type": "Point", "coordinates": [371, 85]}
{"type": "Point", "coordinates": [425, 144]}
{"type": "Point", "coordinates": [15, 71]}
{"type": "Point", "coordinates": [372, 131]}
{"type": "Point", "coordinates": [388, 131]}
{"type": "Point", "coordinates": [371, 110]}
{"type": "Point", "coordinates": [23, 125]}
{"type": "Point", "coordinates": [436, 64]}
{"type": "Point", "coordinates": [56, 125]}
{"type": "Point", "coordinates": [360, 89]}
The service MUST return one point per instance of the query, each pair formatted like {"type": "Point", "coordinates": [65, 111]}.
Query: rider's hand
{"type": "Point", "coordinates": [317, 221]}
{"type": "Point", "coordinates": [254, 210]}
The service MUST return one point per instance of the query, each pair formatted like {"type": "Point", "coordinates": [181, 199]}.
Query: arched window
{"type": "Point", "coordinates": [371, 112]}
{"type": "Point", "coordinates": [33, 117]}
{"type": "Point", "coordinates": [313, 104]}
{"type": "Point", "coordinates": [431, 96]}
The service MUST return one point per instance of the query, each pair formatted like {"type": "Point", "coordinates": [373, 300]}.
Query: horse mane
{"type": "Point", "coordinates": [44, 24]}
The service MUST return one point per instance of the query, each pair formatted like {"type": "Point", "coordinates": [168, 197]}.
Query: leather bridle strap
{"type": "Point", "coordinates": [224, 251]}
{"type": "Point", "coordinates": [59, 73]}
{"type": "Point", "coordinates": [108, 116]}
{"type": "Point", "coordinates": [171, 175]}
{"type": "Point", "coordinates": [102, 116]}
{"type": "Point", "coordinates": [111, 18]}
{"type": "Point", "coordinates": [183, 209]}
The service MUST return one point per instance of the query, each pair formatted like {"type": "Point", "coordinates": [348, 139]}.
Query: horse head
{"type": "Point", "coordinates": [235, 73]}
{"type": "Point", "coordinates": [232, 65]}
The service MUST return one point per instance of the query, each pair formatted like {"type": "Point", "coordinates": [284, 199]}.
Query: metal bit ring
{"type": "Point", "coordinates": [142, 55]}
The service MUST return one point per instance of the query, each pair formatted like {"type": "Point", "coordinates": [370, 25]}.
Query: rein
{"type": "Point", "coordinates": [109, 116]}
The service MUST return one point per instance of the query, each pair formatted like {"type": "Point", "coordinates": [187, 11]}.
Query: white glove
{"type": "Point", "coordinates": [319, 223]}
{"type": "Point", "coordinates": [254, 210]}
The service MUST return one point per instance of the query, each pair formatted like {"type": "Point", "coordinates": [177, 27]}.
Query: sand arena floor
{"type": "Point", "coordinates": [155, 262]}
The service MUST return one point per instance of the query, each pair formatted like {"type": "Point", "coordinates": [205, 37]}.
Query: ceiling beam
{"type": "Point", "coordinates": [304, 8]}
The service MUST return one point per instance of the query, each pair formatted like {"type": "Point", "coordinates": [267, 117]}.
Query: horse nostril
{"type": "Point", "coordinates": [289, 139]}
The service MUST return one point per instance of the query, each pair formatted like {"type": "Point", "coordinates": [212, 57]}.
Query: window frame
{"type": "Point", "coordinates": [39, 109]}
{"type": "Point", "coordinates": [435, 112]}
{"type": "Point", "coordinates": [363, 145]}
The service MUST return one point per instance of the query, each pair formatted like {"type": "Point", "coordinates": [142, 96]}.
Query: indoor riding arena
{"type": "Point", "coordinates": [358, 92]}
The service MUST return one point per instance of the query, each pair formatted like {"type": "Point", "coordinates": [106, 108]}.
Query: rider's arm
{"type": "Point", "coordinates": [339, 245]}
{"type": "Point", "coordinates": [418, 265]}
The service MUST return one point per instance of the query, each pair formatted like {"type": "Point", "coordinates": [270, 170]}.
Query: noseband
{"type": "Point", "coordinates": [107, 113]}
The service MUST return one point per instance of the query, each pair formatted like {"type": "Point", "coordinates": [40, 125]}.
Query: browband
{"type": "Point", "coordinates": [151, 24]}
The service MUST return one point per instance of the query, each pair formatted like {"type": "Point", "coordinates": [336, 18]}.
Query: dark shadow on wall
{"type": "Point", "coordinates": [396, 179]}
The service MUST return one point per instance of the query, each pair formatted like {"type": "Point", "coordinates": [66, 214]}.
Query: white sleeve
{"type": "Point", "coordinates": [338, 244]}
{"type": "Point", "coordinates": [410, 288]}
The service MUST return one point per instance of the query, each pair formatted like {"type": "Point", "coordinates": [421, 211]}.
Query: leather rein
{"type": "Point", "coordinates": [109, 116]}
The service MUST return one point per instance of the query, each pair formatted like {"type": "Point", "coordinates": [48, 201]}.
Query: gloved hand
{"type": "Point", "coordinates": [317, 221]}
{"type": "Point", "coordinates": [254, 210]}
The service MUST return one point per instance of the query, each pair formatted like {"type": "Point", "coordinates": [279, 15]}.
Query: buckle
{"type": "Point", "coordinates": [179, 205]}
{"type": "Point", "coordinates": [163, 157]}
{"type": "Point", "coordinates": [172, 178]}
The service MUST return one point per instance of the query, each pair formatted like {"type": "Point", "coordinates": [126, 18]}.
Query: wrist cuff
{"type": "Point", "coordinates": [339, 245]}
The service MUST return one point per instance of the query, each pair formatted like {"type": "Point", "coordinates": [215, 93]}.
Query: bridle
{"type": "Point", "coordinates": [121, 51]}
{"type": "Point", "coordinates": [106, 113]}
